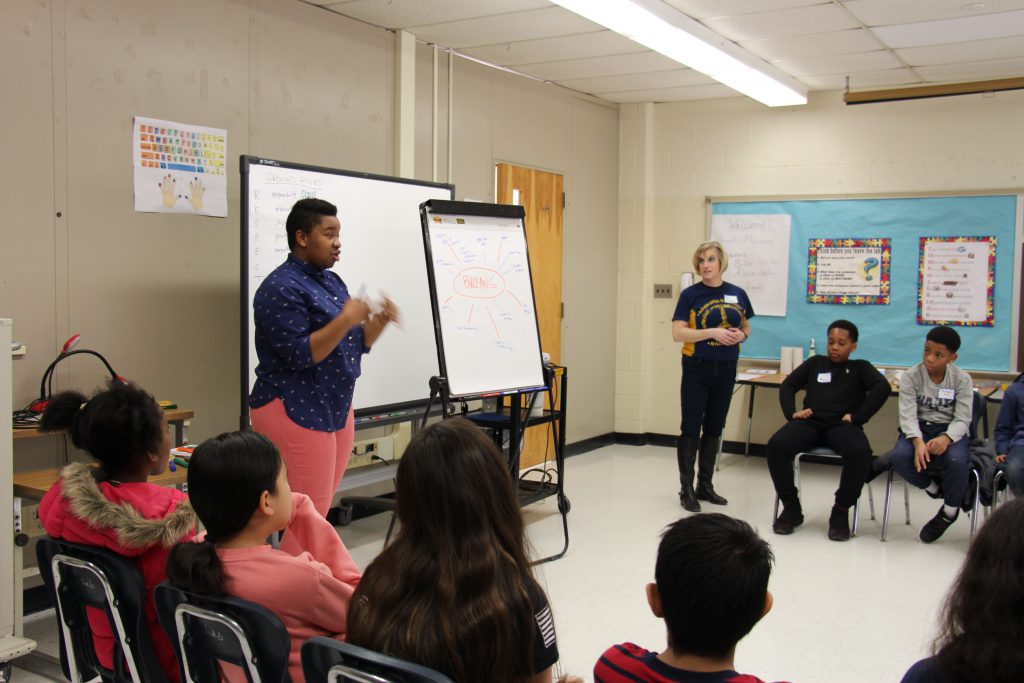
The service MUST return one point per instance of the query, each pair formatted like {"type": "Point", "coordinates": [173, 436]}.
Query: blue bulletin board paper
{"type": "Point", "coordinates": [889, 335]}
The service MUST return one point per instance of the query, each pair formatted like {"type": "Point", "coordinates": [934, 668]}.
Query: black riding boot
{"type": "Point", "coordinates": [686, 456]}
{"type": "Point", "coordinates": [708, 455]}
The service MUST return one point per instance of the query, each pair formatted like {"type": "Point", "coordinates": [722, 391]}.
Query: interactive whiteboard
{"type": "Point", "coordinates": [381, 249]}
{"type": "Point", "coordinates": [482, 295]}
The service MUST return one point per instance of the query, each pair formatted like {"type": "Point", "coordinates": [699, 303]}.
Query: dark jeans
{"type": "Point", "coordinates": [704, 395]}
{"type": "Point", "coordinates": [952, 468]}
{"type": "Point", "coordinates": [1014, 468]}
{"type": "Point", "coordinates": [799, 436]}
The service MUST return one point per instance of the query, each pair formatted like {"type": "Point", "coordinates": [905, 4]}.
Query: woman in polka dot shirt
{"type": "Point", "coordinates": [310, 339]}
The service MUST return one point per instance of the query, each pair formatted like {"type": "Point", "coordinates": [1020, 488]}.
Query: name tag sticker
{"type": "Point", "coordinates": [947, 394]}
{"type": "Point", "coordinates": [731, 299]}
{"type": "Point", "coordinates": [824, 378]}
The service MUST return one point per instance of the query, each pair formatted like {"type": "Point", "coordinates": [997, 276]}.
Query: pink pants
{"type": "Point", "coordinates": [315, 460]}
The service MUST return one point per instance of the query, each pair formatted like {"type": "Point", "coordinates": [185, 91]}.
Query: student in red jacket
{"type": "Point", "coordinates": [112, 506]}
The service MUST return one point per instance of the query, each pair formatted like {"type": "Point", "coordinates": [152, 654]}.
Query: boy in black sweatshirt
{"type": "Point", "coordinates": [842, 395]}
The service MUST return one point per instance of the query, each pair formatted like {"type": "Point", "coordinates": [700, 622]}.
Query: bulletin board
{"type": "Point", "coordinates": [889, 334]}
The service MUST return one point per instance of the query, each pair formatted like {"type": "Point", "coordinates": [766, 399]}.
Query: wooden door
{"type": "Point", "coordinates": [540, 194]}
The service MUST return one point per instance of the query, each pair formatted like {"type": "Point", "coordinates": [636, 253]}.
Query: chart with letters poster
{"type": "Point", "coordinates": [484, 313]}
{"type": "Point", "coordinates": [955, 281]}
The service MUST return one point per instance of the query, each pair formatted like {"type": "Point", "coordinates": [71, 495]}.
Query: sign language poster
{"type": "Point", "coordinates": [955, 281]}
{"type": "Point", "coordinates": [848, 271]}
{"type": "Point", "coordinates": [179, 168]}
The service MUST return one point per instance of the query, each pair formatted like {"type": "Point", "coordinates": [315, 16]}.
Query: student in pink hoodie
{"type": "Point", "coordinates": [238, 485]}
{"type": "Point", "coordinates": [112, 506]}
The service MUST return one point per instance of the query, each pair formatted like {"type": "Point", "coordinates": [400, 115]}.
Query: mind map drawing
{"type": "Point", "coordinates": [483, 285]}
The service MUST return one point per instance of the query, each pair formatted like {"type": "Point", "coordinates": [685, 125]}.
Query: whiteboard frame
{"type": "Point", "coordinates": [433, 207]}
{"type": "Point", "coordinates": [1015, 340]}
{"type": "Point", "coordinates": [377, 415]}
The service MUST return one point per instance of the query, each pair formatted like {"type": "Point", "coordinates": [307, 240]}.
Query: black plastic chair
{"type": "Point", "coordinates": [325, 660]}
{"type": "Point", "coordinates": [208, 630]}
{"type": "Point", "coordinates": [82, 576]}
{"type": "Point", "coordinates": [979, 415]}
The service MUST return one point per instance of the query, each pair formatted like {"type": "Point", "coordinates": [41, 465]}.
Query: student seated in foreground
{"type": "Point", "coordinates": [842, 395]}
{"type": "Point", "coordinates": [933, 451]}
{"type": "Point", "coordinates": [454, 590]}
{"type": "Point", "coordinates": [981, 634]}
{"type": "Point", "coordinates": [711, 588]}
{"type": "Point", "coordinates": [238, 486]}
{"type": "Point", "coordinates": [113, 506]}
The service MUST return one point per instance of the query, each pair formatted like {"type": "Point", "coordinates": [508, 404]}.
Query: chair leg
{"type": "Point", "coordinates": [906, 499]}
{"type": "Point", "coordinates": [796, 473]}
{"type": "Point", "coordinates": [856, 518]}
{"type": "Point", "coordinates": [871, 500]}
{"type": "Point", "coordinates": [977, 501]}
{"type": "Point", "coordinates": [888, 500]}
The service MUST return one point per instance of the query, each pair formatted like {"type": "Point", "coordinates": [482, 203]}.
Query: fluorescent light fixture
{"type": "Point", "coordinates": [664, 29]}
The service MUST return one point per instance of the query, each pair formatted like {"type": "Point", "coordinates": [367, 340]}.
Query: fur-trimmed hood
{"type": "Point", "coordinates": [129, 518]}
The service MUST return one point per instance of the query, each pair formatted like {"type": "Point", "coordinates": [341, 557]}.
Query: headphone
{"type": "Point", "coordinates": [46, 384]}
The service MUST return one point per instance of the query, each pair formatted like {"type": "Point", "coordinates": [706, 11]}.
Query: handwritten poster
{"type": "Point", "coordinates": [758, 249]}
{"type": "Point", "coordinates": [179, 168]}
{"type": "Point", "coordinates": [955, 281]}
{"type": "Point", "coordinates": [848, 271]}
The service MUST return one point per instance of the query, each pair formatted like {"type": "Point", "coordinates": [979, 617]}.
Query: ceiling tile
{"type": "Point", "coordinates": [612, 65]}
{"type": "Point", "coordinates": [707, 9]}
{"type": "Point", "coordinates": [785, 22]}
{"type": "Point", "coordinates": [559, 48]}
{"type": "Point", "coordinates": [982, 27]}
{"type": "Point", "coordinates": [972, 51]}
{"type": "Point", "coordinates": [698, 92]}
{"type": "Point", "coordinates": [864, 80]}
{"type": "Point", "coordinates": [814, 44]}
{"type": "Point", "coordinates": [885, 12]}
{"type": "Point", "coordinates": [396, 14]}
{"type": "Point", "coordinates": [839, 64]}
{"type": "Point", "coordinates": [645, 81]}
{"type": "Point", "coordinates": [527, 25]}
{"type": "Point", "coordinates": [973, 71]}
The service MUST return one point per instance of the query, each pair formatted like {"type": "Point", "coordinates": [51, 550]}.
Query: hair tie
{"type": "Point", "coordinates": [82, 407]}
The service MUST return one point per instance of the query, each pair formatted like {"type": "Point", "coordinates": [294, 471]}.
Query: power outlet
{"type": "Point", "coordinates": [662, 291]}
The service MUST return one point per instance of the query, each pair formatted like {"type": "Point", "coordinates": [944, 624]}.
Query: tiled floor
{"type": "Point", "coordinates": [856, 612]}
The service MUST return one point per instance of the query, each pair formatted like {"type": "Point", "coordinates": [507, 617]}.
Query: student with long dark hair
{"type": "Point", "coordinates": [238, 485]}
{"type": "Point", "coordinates": [454, 590]}
{"type": "Point", "coordinates": [113, 506]}
{"type": "Point", "coordinates": [981, 637]}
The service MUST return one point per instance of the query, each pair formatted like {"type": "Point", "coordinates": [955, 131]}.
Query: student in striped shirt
{"type": "Point", "coordinates": [711, 588]}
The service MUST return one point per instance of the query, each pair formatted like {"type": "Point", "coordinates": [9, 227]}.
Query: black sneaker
{"type": "Point", "coordinates": [792, 516]}
{"type": "Point", "coordinates": [839, 524]}
{"type": "Point", "coordinates": [938, 495]}
{"type": "Point", "coordinates": [935, 527]}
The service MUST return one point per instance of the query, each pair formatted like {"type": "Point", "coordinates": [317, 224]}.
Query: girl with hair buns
{"type": "Point", "coordinates": [712, 319]}
{"type": "Point", "coordinates": [454, 590]}
{"type": "Point", "coordinates": [238, 485]}
{"type": "Point", "coordinates": [113, 506]}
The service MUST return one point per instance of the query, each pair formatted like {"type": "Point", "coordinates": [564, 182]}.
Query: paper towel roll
{"type": "Point", "coordinates": [789, 358]}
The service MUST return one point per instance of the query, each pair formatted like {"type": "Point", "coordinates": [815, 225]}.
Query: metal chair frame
{"type": "Point", "coordinates": [824, 452]}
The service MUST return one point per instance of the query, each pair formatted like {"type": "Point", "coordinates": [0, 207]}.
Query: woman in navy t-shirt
{"type": "Point", "coordinates": [310, 339]}
{"type": "Point", "coordinates": [712, 319]}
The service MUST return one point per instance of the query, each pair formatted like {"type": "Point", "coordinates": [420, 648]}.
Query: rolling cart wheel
{"type": "Point", "coordinates": [340, 516]}
{"type": "Point", "coordinates": [564, 505]}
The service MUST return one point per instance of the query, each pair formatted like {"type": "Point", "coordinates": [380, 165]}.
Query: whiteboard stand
{"type": "Point", "coordinates": [515, 422]}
